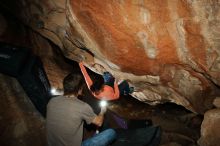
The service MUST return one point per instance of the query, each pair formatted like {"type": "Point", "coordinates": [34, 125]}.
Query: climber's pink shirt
{"type": "Point", "coordinates": [108, 93]}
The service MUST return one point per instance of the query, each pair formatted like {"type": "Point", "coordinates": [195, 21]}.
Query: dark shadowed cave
{"type": "Point", "coordinates": [169, 51]}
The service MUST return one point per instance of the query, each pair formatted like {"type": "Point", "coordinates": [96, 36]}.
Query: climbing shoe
{"type": "Point", "coordinates": [131, 90]}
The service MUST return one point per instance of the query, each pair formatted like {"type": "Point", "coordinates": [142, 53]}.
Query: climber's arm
{"type": "Point", "coordinates": [117, 94]}
{"type": "Point", "coordinates": [86, 75]}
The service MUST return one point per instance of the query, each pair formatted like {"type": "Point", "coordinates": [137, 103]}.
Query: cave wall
{"type": "Point", "coordinates": [14, 32]}
{"type": "Point", "coordinates": [210, 126]}
{"type": "Point", "coordinates": [169, 50]}
{"type": "Point", "coordinates": [20, 123]}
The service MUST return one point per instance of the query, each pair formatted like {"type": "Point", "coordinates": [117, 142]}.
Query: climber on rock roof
{"type": "Point", "coordinates": [106, 88]}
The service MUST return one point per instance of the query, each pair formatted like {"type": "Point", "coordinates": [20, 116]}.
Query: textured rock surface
{"type": "Point", "coordinates": [169, 50]}
{"type": "Point", "coordinates": [178, 125]}
{"type": "Point", "coordinates": [15, 33]}
{"type": "Point", "coordinates": [210, 129]}
{"type": "Point", "coordinates": [163, 46]}
{"type": "Point", "coordinates": [216, 102]}
{"type": "Point", "coordinates": [20, 123]}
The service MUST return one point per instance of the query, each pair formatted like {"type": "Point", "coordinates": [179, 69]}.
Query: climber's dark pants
{"type": "Point", "coordinates": [124, 88]}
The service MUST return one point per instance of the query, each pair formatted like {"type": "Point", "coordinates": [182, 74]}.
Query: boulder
{"type": "Point", "coordinates": [216, 102]}
{"type": "Point", "coordinates": [210, 129]}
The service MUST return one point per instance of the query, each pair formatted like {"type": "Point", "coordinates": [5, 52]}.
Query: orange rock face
{"type": "Point", "coordinates": [127, 33]}
{"type": "Point", "coordinates": [145, 37]}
